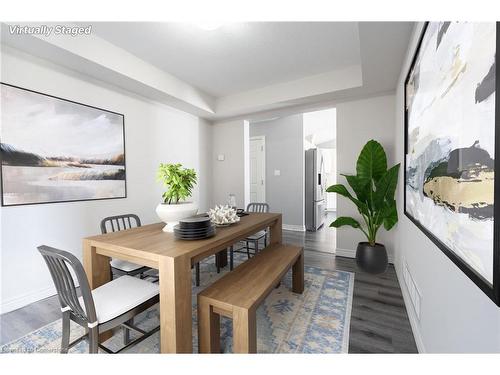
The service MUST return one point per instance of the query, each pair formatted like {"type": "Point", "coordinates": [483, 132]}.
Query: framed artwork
{"type": "Point", "coordinates": [56, 150]}
{"type": "Point", "coordinates": [452, 141]}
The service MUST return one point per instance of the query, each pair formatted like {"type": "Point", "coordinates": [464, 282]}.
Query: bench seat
{"type": "Point", "coordinates": [238, 294]}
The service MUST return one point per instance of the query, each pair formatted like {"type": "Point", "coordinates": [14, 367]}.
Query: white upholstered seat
{"type": "Point", "coordinates": [121, 295]}
{"type": "Point", "coordinates": [256, 236]}
{"type": "Point", "coordinates": [124, 265]}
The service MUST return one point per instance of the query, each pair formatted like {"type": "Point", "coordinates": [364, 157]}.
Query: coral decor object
{"type": "Point", "coordinates": [223, 215]}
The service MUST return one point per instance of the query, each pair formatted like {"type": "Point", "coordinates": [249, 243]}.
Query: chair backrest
{"type": "Point", "coordinates": [59, 263]}
{"type": "Point", "coordinates": [119, 222]}
{"type": "Point", "coordinates": [258, 207]}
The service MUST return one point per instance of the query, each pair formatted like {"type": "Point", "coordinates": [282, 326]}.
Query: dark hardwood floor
{"type": "Point", "coordinates": [379, 322]}
{"type": "Point", "coordinates": [323, 240]}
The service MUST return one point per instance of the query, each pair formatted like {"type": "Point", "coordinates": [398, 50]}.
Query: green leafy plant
{"type": "Point", "coordinates": [374, 187]}
{"type": "Point", "coordinates": [179, 181]}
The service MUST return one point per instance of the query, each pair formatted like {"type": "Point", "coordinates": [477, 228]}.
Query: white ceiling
{"type": "Point", "coordinates": [238, 57]}
{"type": "Point", "coordinates": [251, 71]}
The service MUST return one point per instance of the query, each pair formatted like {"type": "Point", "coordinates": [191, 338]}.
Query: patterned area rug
{"type": "Point", "coordinates": [316, 321]}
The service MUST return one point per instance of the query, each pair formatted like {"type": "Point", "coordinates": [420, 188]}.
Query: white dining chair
{"type": "Point", "coordinates": [102, 309]}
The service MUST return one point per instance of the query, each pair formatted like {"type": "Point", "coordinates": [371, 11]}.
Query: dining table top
{"type": "Point", "coordinates": [151, 242]}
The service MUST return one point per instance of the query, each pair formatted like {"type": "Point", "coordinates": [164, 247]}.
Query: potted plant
{"type": "Point", "coordinates": [179, 182]}
{"type": "Point", "coordinates": [374, 187]}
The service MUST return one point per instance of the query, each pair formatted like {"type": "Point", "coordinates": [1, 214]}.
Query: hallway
{"type": "Point", "coordinates": [323, 240]}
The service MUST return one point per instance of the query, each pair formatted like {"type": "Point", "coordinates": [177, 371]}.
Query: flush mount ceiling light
{"type": "Point", "coordinates": [209, 25]}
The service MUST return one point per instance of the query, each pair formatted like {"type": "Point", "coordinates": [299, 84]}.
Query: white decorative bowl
{"type": "Point", "coordinates": [170, 214]}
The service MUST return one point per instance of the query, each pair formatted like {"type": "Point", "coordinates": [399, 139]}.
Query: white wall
{"type": "Point", "coordinates": [154, 133]}
{"type": "Point", "coordinates": [228, 175]}
{"type": "Point", "coordinates": [456, 316]}
{"type": "Point", "coordinates": [320, 127]}
{"type": "Point", "coordinates": [358, 122]}
{"type": "Point", "coordinates": [284, 152]}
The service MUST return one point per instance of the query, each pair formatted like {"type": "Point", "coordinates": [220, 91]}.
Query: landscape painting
{"type": "Point", "coordinates": [55, 150]}
{"type": "Point", "coordinates": [450, 143]}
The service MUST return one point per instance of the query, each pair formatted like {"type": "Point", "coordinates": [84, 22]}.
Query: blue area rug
{"type": "Point", "coordinates": [316, 321]}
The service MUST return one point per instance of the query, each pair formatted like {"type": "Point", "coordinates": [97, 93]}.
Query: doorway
{"type": "Point", "coordinates": [258, 169]}
{"type": "Point", "coordinates": [320, 170]}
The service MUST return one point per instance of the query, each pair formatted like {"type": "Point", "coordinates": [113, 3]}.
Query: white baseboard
{"type": "Point", "coordinates": [295, 228]}
{"type": "Point", "coordinates": [25, 299]}
{"type": "Point", "coordinates": [348, 253]}
{"type": "Point", "coordinates": [351, 253]}
{"type": "Point", "coordinates": [411, 314]}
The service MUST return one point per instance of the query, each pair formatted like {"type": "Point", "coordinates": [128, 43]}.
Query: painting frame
{"type": "Point", "coordinates": [492, 290]}
{"type": "Point", "coordinates": [2, 188]}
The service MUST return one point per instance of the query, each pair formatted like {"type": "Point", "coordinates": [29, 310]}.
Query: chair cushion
{"type": "Point", "coordinates": [256, 236]}
{"type": "Point", "coordinates": [121, 295]}
{"type": "Point", "coordinates": [124, 266]}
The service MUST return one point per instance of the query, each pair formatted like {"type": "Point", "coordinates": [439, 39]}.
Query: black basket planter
{"type": "Point", "coordinates": [372, 259]}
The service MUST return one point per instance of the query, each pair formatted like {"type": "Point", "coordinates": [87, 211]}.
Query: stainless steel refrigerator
{"type": "Point", "coordinates": [315, 203]}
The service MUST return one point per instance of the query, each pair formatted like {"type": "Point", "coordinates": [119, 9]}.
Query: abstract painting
{"type": "Point", "coordinates": [56, 150]}
{"type": "Point", "coordinates": [450, 121]}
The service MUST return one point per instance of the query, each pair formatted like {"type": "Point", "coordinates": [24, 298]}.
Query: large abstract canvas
{"type": "Point", "coordinates": [55, 150]}
{"type": "Point", "coordinates": [450, 164]}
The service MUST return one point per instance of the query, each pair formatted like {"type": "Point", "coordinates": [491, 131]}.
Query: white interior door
{"type": "Point", "coordinates": [257, 169]}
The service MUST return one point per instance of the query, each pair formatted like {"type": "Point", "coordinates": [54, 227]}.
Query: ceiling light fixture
{"type": "Point", "coordinates": [209, 25]}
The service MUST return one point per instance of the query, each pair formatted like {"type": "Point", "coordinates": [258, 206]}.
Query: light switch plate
{"type": "Point", "coordinates": [277, 172]}
{"type": "Point", "coordinates": [220, 157]}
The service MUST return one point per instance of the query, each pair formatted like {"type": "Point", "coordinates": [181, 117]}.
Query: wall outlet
{"type": "Point", "coordinates": [413, 291]}
{"type": "Point", "coordinates": [277, 172]}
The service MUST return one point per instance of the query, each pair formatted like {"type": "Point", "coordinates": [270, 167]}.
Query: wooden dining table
{"type": "Point", "coordinates": [173, 258]}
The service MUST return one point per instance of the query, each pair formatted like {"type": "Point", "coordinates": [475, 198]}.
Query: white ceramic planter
{"type": "Point", "coordinates": [170, 214]}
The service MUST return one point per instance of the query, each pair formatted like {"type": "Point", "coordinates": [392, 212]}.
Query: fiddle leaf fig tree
{"type": "Point", "coordinates": [179, 181]}
{"type": "Point", "coordinates": [374, 187]}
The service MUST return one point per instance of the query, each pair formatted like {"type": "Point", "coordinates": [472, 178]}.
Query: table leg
{"type": "Point", "coordinates": [244, 331]}
{"type": "Point", "coordinates": [98, 273]}
{"type": "Point", "coordinates": [175, 305]}
{"type": "Point", "coordinates": [298, 274]}
{"type": "Point", "coordinates": [96, 266]}
{"type": "Point", "coordinates": [208, 328]}
{"type": "Point", "coordinates": [276, 231]}
{"type": "Point", "coordinates": [221, 258]}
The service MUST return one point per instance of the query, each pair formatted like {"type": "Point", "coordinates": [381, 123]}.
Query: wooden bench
{"type": "Point", "coordinates": [238, 294]}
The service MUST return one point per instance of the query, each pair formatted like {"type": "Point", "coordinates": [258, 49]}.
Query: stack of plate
{"type": "Point", "coordinates": [194, 228]}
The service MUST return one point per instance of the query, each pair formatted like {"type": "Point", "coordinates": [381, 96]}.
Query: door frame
{"type": "Point", "coordinates": [263, 139]}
